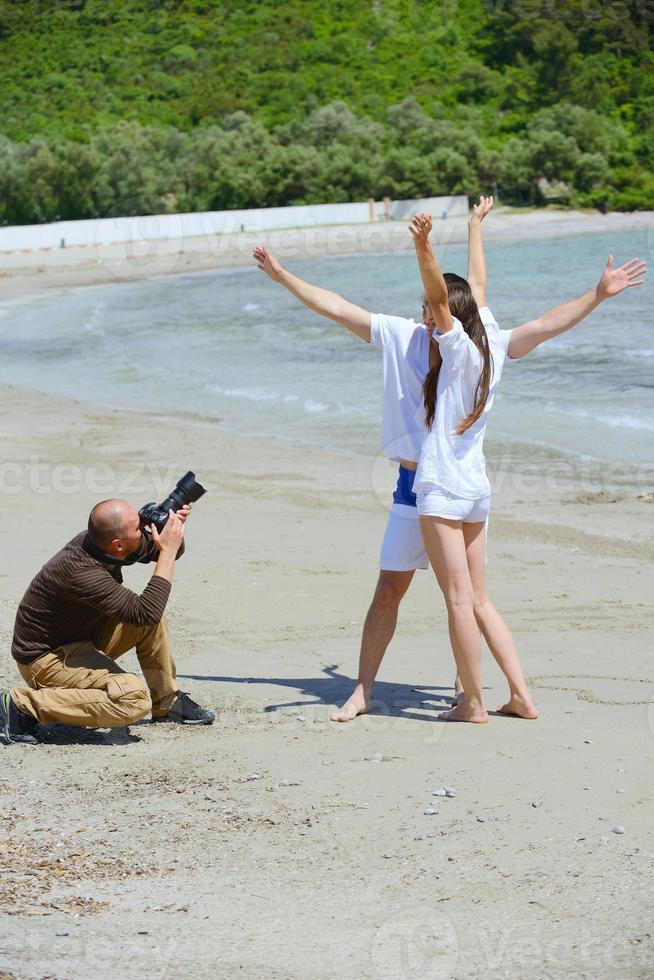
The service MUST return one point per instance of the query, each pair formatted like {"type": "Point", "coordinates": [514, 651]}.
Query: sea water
{"type": "Point", "coordinates": [235, 347]}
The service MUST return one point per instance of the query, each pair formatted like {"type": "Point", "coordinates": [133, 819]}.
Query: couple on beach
{"type": "Point", "coordinates": [440, 378]}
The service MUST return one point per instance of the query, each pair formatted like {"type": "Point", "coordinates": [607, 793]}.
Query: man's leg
{"type": "Point", "coordinates": [378, 631]}
{"type": "Point", "coordinates": [77, 685]}
{"type": "Point", "coordinates": [153, 649]}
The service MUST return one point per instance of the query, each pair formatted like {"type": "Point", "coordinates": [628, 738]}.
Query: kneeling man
{"type": "Point", "coordinates": [77, 618]}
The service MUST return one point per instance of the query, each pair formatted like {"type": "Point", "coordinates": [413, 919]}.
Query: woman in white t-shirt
{"type": "Point", "coordinates": [451, 483]}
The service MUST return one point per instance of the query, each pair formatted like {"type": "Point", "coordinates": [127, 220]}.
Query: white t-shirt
{"type": "Point", "coordinates": [452, 462]}
{"type": "Point", "coordinates": [405, 350]}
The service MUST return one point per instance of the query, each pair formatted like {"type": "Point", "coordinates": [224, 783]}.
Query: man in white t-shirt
{"type": "Point", "coordinates": [407, 355]}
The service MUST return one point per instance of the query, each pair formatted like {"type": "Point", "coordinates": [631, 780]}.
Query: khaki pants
{"type": "Point", "coordinates": [79, 683]}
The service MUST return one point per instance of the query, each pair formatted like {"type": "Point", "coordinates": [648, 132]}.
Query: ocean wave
{"type": "Point", "coordinates": [255, 394]}
{"type": "Point", "coordinates": [249, 394]}
{"type": "Point", "coordinates": [638, 352]}
{"type": "Point", "coordinates": [615, 421]}
{"type": "Point", "coordinates": [92, 325]}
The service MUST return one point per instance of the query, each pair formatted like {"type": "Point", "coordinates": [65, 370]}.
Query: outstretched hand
{"type": "Point", "coordinates": [479, 211]}
{"type": "Point", "coordinates": [420, 228]}
{"type": "Point", "coordinates": [267, 263]}
{"type": "Point", "coordinates": [613, 281]}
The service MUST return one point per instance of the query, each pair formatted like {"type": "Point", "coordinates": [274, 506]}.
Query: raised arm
{"type": "Point", "coordinates": [613, 281]}
{"type": "Point", "coordinates": [476, 262]}
{"type": "Point", "coordinates": [430, 271]}
{"type": "Point", "coordinates": [321, 301]}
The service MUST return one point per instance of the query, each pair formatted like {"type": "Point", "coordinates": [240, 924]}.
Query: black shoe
{"type": "Point", "coordinates": [185, 711]}
{"type": "Point", "coordinates": [15, 725]}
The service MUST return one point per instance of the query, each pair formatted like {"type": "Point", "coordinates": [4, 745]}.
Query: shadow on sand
{"type": "Point", "coordinates": [333, 688]}
{"type": "Point", "coordinates": [56, 734]}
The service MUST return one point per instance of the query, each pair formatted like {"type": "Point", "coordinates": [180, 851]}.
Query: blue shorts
{"type": "Point", "coordinates": [403, 493]}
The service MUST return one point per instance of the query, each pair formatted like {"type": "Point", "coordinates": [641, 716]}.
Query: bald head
{"type": "Point", "coordinates": [109, 520]}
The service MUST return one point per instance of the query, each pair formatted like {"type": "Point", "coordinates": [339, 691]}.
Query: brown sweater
{"type": "Point", "coordinates": [73, 592]}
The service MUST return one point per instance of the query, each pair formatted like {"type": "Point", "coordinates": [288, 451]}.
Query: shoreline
{"type": "Point", "coordinates": [530, 482]}
{"type": "Point", "coordinates": [27, 274]}
{"type": "Point", "coordinates": [512, 462]}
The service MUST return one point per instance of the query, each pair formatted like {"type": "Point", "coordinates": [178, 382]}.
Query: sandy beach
{"type": "Point", "coordinates": [276, 844]}
{"type": "Point", "coordinates": [22, 272]}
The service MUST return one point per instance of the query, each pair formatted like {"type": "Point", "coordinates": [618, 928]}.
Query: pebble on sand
{"type": "Point", "coordinates": [62, 932]}
{"type": "Point", "coordinates": [482, 818]}
{"type": "Point", "coordinates": [429, 811]}
{"type": "Point", "coordinates": [619, 829]}
{"type": "Point", "coordinates": [621, 791]}
{"type": "Point", "coordinates": [450, 791]}
{"type": "Point", "coordinates": [536, 803]}
{"type": "Point", "coordinates": [439, 792]}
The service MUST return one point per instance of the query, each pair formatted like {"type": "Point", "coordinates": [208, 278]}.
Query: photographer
{"type": "Point", "coordinates": [77, 618]}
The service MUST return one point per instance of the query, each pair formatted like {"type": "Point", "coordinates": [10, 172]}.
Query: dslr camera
{"type": "Point", "coordinates": [187, 491]}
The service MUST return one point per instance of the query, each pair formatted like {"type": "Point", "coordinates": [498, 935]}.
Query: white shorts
{"type": "Point", "coordinates": [434, 502]}
{"type": "Point", "coordinates": [402, 549]}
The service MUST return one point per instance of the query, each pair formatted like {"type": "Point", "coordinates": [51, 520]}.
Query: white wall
{"type": "Point", "coordinates": [105, 231]}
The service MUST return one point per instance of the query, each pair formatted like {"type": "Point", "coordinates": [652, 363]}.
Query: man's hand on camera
{"type": "Point", "coordinates": [170, 539]}
{"type": "Point", "coordinates": [184, 513]}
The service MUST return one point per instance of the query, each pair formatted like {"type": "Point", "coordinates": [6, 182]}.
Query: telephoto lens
{"type": "Point", "coordinates": [186, 491]}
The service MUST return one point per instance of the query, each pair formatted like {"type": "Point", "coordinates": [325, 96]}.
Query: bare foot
{"type": "Point", "coordinates": [475, 714]}
{"type": "Point", "coordinates": [519, 708]}
{"type": "Point", "coordinates": [356, 704]}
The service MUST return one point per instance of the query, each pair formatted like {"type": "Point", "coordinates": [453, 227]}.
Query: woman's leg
{"type": "Point", "coordinates": [447, 553]}
{"type": "Point", "coordinates": [496, 632]}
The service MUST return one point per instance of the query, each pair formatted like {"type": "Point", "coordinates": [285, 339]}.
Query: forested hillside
{"type": "Point", "coordinates": [138, 106]}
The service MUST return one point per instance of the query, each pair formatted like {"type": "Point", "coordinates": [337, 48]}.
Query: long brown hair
{"type": "Point", "coordinates": [463, 306]}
